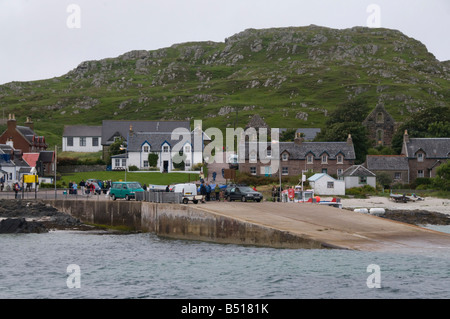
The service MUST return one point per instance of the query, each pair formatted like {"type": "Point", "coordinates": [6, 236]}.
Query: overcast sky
{"type": "Point", "coordinates": [41, 39]}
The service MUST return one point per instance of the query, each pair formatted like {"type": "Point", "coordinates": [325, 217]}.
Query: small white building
{"type": "Point", "coordinates": [324, 184]}
{"type": "Point", "coordinates": [358, 176]}
{"type": "Point", "coordinates": [82, 138]}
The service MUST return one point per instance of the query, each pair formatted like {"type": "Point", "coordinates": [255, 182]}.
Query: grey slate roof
{"type": "Point", "coordinates": [112, 128]}
{"type": "Point", "coordinates": [357, 170]}
{"type": "Point", "coordinates": [317, 149]}
{"type": "Point", "coordinates": [433, 147]}
{"type": "Point", "coordinates": [155, 139]}
{"type": "Point", "coordinates": [387, 162]}
{"type": "Point", "coordinates": [82, 130]}
{"type": "Point", "coordinates": [46, 156]}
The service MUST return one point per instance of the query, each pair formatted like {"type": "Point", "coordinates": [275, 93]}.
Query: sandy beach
{"type": "Point", "coordinates": [429, 204]}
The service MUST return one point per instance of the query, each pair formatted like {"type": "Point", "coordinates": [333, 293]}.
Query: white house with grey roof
{"type": "Point", "coordinates": [82, 138]}
{"type": "Point", "coordinates": [113, 130]}
{"type": "Point", "coordinates": [358, 176]}
{"type": "Point", "coordinates": [165, 144]}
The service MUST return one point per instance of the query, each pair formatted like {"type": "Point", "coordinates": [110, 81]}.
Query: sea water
{"type": "Point", "coordinates": [75, 264]}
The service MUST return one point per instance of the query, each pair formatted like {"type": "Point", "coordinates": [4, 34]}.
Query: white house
{"type": "Point", "coordinates": [12, 165]}
{"type": "Point", "coordinates": [141, 144]}
{"type": "Point", "coordinates": [82, 138]}
{"type": "Point", "coordinates": [358, 176]}
{"type": "Point", "coordinates": [324, 184]}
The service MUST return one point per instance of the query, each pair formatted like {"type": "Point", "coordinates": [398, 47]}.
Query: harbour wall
{"type": "Point", "coordinates": [179, 221]}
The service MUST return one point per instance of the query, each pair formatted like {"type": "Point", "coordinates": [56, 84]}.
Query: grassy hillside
{"type": "Point", "coordinates": [292, 77]}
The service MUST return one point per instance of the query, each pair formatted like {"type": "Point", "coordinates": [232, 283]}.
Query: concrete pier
{"type": "Point", "coordinates": [278, 225]}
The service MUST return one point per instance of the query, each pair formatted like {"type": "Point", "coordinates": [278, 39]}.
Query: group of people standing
{"type": "Point", "coordinates": [206, 190]}
{"type": "Point", "coordinates": [89, 187]}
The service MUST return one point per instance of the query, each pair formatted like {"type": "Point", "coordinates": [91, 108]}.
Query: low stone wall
{"type": "Point", "coordinates": [180, 221]}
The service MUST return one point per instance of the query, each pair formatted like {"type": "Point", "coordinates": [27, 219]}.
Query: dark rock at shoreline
{"type": "Point", "coordinates": [417, 217]}
{"type": "Point", "coordinates": [20, 225]}
{"type": "Point", "coordinates": [41, 213]}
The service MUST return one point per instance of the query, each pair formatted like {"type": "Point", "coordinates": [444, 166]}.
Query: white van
{"type": "Point", "coordinates": [188, 191]}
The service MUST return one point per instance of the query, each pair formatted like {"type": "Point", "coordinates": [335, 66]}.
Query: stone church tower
{"type": "Point", "coordinates": [380, 126]}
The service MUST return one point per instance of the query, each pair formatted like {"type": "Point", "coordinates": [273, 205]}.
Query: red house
{"type": "Point", "coordinates": [22, 137]}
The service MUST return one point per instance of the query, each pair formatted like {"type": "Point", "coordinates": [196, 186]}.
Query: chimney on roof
{"type": "Point", "coordinates": [406, 137]}
{"type": "Point", "coordinates": [131, 130]}
{"type": "Point", "coordinates": [349, 139]}
{"type": "Point", "coordinates": [29, 123]}
{"type": "Point", "coordinates": [298, 139]}
{"type": "Point", "coordinates": [11, 123]}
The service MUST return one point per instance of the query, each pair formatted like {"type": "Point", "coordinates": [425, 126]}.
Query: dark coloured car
{"type": "Point", "coordinates": [242, 193]}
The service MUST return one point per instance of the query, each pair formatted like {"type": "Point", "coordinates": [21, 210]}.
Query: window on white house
{"type": "Point", "coordinates": [117, 162]}
{"type": "Point", "coordinates": [145, 163]}
{"type": "Point", "coordinates": [146, 149]}
{"type": "Point", "coordinates": [166, 149]}
{"type": "Point", "coordinates": [70, 141]}
{"type": "Point", "coordinates": [363, 180]}
{"type": "Point", "coordinates": [95, 141]}
{"type": "Point", "coordinates": [253, 170]}
{"type": "Point", "coordinates": [124, 162]}
{"type": "Point", "coordinates": [330, 184]}
{"type": "Point", "coordinates": [82, 141]}
{"type": "Point", "coordinates": [187, 163]}
{"type": "Point", "coordinates": [187, 149]}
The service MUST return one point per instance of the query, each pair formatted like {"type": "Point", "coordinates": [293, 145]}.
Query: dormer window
{"type": "Point", "coordinates": [284, 156]}
{"type": "Point", "coordinates": [165, 149]}
{"type": "Point", "coordinates": [309, 159]}
{"type": "Point", "coordinates": [187, 149]}
{"type": "Point", "coordinates": [145, 149]}
{"type": "Point", "coordinates": [324, 159]}
{"type": "Point", "coordinates": [340, 159]}
{"type": "Point", "coordinates": [420, 157]}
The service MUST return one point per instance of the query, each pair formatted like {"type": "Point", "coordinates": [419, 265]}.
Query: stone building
{"type": "Point", "coordinates": [263, 159]}
{"type": "Point", "coordinates": [425, 155]}
{"type": "Point", "coordinates": [380, 126]}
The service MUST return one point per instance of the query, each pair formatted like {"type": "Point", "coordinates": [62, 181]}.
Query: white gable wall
{"type": "Point", "coordinates": [322, 186]}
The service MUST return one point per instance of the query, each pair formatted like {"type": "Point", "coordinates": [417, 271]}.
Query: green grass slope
{"type": "Point", "coordinates": [292, 77]}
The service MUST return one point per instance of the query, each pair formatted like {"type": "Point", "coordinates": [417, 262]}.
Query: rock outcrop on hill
{"type": "Point", "coordinates": [291, 77]}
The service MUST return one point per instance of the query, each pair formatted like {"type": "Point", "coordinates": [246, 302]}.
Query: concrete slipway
{"type": "Point", "coordinates": [268, 224]}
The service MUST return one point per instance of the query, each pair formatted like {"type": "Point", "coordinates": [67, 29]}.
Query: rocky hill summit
{"type": "Point", "coordinates": [291, 77]}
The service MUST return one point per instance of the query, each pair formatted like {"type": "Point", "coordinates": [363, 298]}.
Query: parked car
{"type": "Point", "coordinates": [125, 190]}
{"type": "Point", "coordinates": [242, 193]}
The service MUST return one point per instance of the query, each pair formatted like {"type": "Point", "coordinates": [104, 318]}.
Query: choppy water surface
{"type": "Point", "coordinates": [146, 266]}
